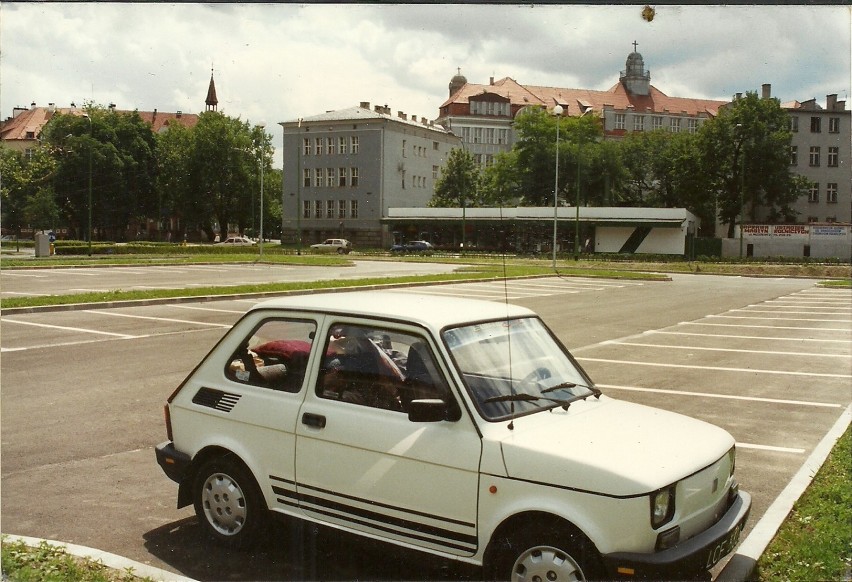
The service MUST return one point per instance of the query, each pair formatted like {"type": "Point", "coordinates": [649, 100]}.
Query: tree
{"type": "Point", "coordinates": [22, 177]}
{"type": "Point", "coordinates": [458, 184]}
{"type": "Point", "coordinates": [746, 161]}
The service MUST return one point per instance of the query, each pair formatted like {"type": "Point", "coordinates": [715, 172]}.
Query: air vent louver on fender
{"type": "Point", "coordinates": [217, 399]}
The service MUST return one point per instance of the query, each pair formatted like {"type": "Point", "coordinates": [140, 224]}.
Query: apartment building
{"type": "Point", "coordinates": [343, 169]}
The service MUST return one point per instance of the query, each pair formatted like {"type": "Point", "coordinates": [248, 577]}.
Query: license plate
{"type": "Point", "coordinates": [724, 546]}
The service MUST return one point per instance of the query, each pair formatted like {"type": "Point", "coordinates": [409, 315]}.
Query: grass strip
{"type": "Point", "coordinates": [815, 541]}
{"type": "Point", "coordinates": [49, 563]}
{"type": "Point", "coordinates": [472, 272]}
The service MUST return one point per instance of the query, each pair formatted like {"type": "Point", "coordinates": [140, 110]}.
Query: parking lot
{"type": "Point", "coordinates": [769, 360]}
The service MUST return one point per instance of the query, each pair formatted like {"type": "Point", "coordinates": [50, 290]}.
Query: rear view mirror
{"type": "Point", "coordinates": [427, 410]}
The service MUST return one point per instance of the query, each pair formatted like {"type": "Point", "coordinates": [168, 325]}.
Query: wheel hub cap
{"type": "Point", "coordinates": [224, 504]}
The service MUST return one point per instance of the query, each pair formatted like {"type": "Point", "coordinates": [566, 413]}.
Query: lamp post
{"type": "Point", "coordinates": [91, 139]}
{"type": "Point", "coordinates": [299, 146]}
{"type": "Point", "coordinates": [577, 208]}
{"type": "Point", "coordinates": [262, 126]}
{"type": "Point", "coordinates": [742, 182]}
{"type": "Point", "coordinates": [557, 111]}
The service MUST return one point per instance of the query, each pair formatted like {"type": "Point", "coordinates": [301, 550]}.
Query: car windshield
{"type": "Point", "coordinates": [514, 367]}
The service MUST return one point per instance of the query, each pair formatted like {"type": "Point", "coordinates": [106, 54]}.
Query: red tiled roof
{"type": "Point", "coordinates": [579, 101]}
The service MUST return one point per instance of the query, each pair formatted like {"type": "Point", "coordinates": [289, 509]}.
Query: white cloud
{"type": "Point", "coordinates": [275, 62]}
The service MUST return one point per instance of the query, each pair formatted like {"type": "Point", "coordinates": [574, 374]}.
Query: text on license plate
{"type": "Point", "coordinates": [724, 546]}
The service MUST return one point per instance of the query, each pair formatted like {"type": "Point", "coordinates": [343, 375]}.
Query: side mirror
{"type": "Point", "coordinates": [427, 410]}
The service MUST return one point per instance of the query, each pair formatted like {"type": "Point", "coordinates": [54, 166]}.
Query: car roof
{"type": "Point", "coordinates": [432, 311]}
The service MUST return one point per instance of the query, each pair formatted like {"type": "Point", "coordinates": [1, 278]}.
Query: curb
{"type": "Point", "coordinates": [107, 559]}
{"type": "Point", "coordinates": [742, 564]}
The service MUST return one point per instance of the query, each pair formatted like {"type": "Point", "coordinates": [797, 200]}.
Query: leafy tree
{"type": "Point", "coordinates": [116, 151]}
{"type": "Point", "coordinates": [745, 160]}
{"type": "Point", "coordinates": [458, 184]}
{"type": "Point", "coordinates": [23, 176]}
{"type": "Point", "coordinates": [41, 210]}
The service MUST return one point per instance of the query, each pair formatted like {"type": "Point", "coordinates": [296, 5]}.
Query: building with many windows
{"type": "Point", "coordinates": [482, 115]}
{"type": "Point", "coordinates": [821, 151]}
{"type": "Point", "coordinates": [343, 169]}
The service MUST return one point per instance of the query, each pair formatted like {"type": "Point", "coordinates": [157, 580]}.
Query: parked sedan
{"type": "Point", "coordinates": [412, 246]}
{"type": "Point", "coordinates": [237, 241]}
{"type": "Point", "coordinates": [341, 246]}
{"type": "Point", "coordinates": [459, 427]}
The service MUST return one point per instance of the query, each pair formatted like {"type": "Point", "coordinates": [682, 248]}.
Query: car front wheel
{"type": "Point", "coordinates": [545, 553]}
{"type": "Point", "coordinates": [228, 503]}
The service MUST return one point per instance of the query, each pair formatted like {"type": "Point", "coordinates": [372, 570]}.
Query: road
{"type": "Point", "coordinates": [769, 360]}
{"type": "Point", "coordinates": [65, 280]}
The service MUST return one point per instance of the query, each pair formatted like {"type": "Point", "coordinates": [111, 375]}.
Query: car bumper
{"type": "Point", "coordinates": [173, 462]}
{"type": "Point", "coordinates": [698, 553]}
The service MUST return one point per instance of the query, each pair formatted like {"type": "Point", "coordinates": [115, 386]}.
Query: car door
{"type": "Point", "coordinates": [362, 465]}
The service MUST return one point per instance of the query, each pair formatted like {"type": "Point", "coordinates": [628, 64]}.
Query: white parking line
{"type": "Point", "coordinates": [770, 448]}
{"type": "Point", "coordinates": [33, 275]}
{"type": "Point", "coordinates": [740, 351]}
{"type": "Point", "coordinates": [26, 294]}
{"type": "Point", "coordinates": [768, 326]}
{"type": "Point", "coordinates": [722, 396]}
{"type": "Point", "coordinates": [753, 337]}
{"type": "Point", "coordinates": [833, 312]}
{"type": "Point", "coordinates": [66, 328]}
{"type": "Point", "coordinates": [767, 318]}
{"type": "Point", "coordinates": [167, 319]}
{"type": "Point", "coordinates": [239, 311]}
{"type": "Point", "coordinates": [717, 368]}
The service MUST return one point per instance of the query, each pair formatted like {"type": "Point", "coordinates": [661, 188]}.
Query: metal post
{"type": "Point", "coordinates": [577, 209]}
{"type": "Point", "coordinates": [299, 190]}
{"type": "Point", "coordinates": [262, 126]}
{"type": "Point", "coordinates": [557, 111]}
{"type": "Point", "coordinates": [91, 145]}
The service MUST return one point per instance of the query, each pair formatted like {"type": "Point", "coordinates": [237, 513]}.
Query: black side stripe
{"type": "Point", "coordinates": [376, 503]}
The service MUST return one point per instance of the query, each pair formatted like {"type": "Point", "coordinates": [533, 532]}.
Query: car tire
{"type": "Point", "coordinates": [228, 503]}
{"type": "Point", "coordinates": [544, 552]}
{"type": "Point", "coordinates": [341, 251]}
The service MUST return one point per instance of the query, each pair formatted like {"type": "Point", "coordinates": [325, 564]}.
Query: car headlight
{"type": "Point", "coordinates": [662, 506]}
{"type": "Point", "coordinates": [732, 456]}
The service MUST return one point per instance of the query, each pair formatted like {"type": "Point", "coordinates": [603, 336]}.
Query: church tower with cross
{"type": "Point", "coordinates": [211, 102]}
{"type": "Point", "coordinates": [636, 80]}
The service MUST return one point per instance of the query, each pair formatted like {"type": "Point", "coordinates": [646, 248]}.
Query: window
{"type": "Point", "coordinates": [318, 209]}
{"type": "Point", "coordinates": [831, 192]}
{"type": "Point", "coordinates": [794, 155]}
{"type": "Point", "coordinates": [489, 135]}
{"type": "Point", "coordinates": [833, 156]}
{"type": "Point", "coordinates": [318, 177]}
{"type": "Point", "coordinates": [306, 177]}
{"type": "Point", "coordinates": [341, 177]}
{"type": "Point", "coordinates": [638, 123]}
{"type": "Point", "coordinates": [329, 146]}
{"type": "Point", "coordinates": [341, 209]}
{"type": "Point", "coordinates": [620, 120]}
{"type": "Point", "coordinates": [435, 146]}
{"type": "Point", "coordinates": [675, 125]}
{"type": "Point", "coordinates": [306, 208]}
{"type": "Point", "coordinates": [330, 177]}
{"type": "Point", "coordinates": [477, 135]}
{"type": "Point", "coordinates": [813, 192]}
{"type": "Point", "coordinates": [812, 219]}
{"type": "Point", "coordinates": [318, 146]}
{"type": "Point", "coordinates": [353, 144]}
{"type": "Point", "coordinates": [306, 146]}
{"type": "Point", "coordinates": [404, 153]}
{"type": "Point", "coordinates": [794, 124]}
{"type": "Point", "coordinates": [816, 124]}
{"type": "Point", "coordinates": [831, 219]}
{"type": "Point", "coordinates": [656, 122]}
{"type": "Point", "coordinates": [341, 145]}
{"type": "Point", "coordinates": [353, 209]}
{"type": "Point", "coordinates": [814, 156]}
{"type": "Point", "coordinates": [435, 172]}
{"type": "Point", "coordinates": [502, 136]}
{"type": "Point", "coordinates": [329, 208]}
{"type": "Point", "coordinates": [833, 125]}
{"type": "Point", "coordinates": [379, 367]}
{"type": "Point", "coordinates": [274, 356]}
{"type": "Point", "coordinates": [692, 125]}
{"type": "Point", "coordinates": [403, 179]}
{"type": "Point", "coordinates": [353, 177]}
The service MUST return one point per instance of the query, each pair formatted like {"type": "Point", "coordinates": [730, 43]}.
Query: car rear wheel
{"type": "Point", "coordinates": [228, 503]}
{"type": "Point", "coordinates": [548, 553]}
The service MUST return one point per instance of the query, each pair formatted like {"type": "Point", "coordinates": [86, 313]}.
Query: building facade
{"type": "Point", "coordinates": [344, 169]}
{"type": "Point", "coordinates": [821, 151]}
{"type": "Point", "coordinates": [482, 115]}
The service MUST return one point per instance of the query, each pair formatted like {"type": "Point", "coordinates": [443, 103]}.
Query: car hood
{"type": "Point", "coordinates": [611, 447]}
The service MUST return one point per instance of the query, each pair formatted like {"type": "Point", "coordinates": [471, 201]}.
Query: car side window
{"type": "Point", "coordinates": [379, 367]}
{"type": "Point", "coordinates": [275, 355]}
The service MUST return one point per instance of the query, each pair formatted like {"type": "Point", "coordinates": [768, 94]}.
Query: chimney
{"type": "Point", "coordinates": [365, 104]}
{"type": "Point", "coordinates": [112, 106]}
{"type": "Point", "coordinates": [766, 91]}
{"type": "Point", "coordinates": [52, 107]}
{"type": "Point", "coordinates": [424, 121]}
{"type": "Point", "coordinates": [379, 109]}
{"type": "Point", "coordinates": [491, 81]}
{"type": "Point", "coordinates": [831, 102]}
{"type": "Point", "coordinates": [33, 105]}
{"type": "Point", "coordinates": [154, 117]}
{"type": "Point", "coordinates": [179, 114]}
{"type": "Point", "coordinates": [402, 115]}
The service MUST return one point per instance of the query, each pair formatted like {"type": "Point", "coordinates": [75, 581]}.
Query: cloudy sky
{"type": "Point", "coordinates": [277, 62]}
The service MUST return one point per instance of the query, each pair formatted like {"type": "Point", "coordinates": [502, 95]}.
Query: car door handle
{"type": "Point", "coordinates": [316, 420]}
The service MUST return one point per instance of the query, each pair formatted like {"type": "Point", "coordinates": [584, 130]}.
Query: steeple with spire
{"type": "Point", "coordinates": [211, 101]}
{"type": "Point", "coordinates": [636, 79]}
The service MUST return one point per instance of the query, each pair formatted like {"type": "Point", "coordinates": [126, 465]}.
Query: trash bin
{"type": "Point", "coordinates": [42, 245]}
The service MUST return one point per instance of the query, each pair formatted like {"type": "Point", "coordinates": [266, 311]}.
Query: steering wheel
{"type": "Point", "coordinates": [536, 376]}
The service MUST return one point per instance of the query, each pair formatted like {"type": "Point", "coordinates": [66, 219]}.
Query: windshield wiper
{"type": "Point", "coordinates": [559, 386]}
{"type": "Point", "coordinates": [595, 391]}
{"type": "Point", "coordinates": [523, 397]}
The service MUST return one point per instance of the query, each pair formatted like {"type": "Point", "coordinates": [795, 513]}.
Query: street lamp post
{"type": "Point", "coordinates": [91, 144]}
{"type": "Point", "coordinates": [262, 126]}
{"type": "Point", "coordinates": [741, 152]}
{"type": "Point", "coordinates": [577, 208]}
{"type": "Point", "coordinates": [557, 111]}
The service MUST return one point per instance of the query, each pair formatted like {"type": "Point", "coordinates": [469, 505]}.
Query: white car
{"type": "Point", "coordinates": [237, 241]}
{"type": "Point", "coordinates": [340, 246]}
{"type": "Point", "coordinates": [458, 427]}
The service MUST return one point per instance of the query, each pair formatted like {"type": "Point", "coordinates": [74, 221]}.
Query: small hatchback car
{"type": "Point", "coordinates": [458, 427]}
